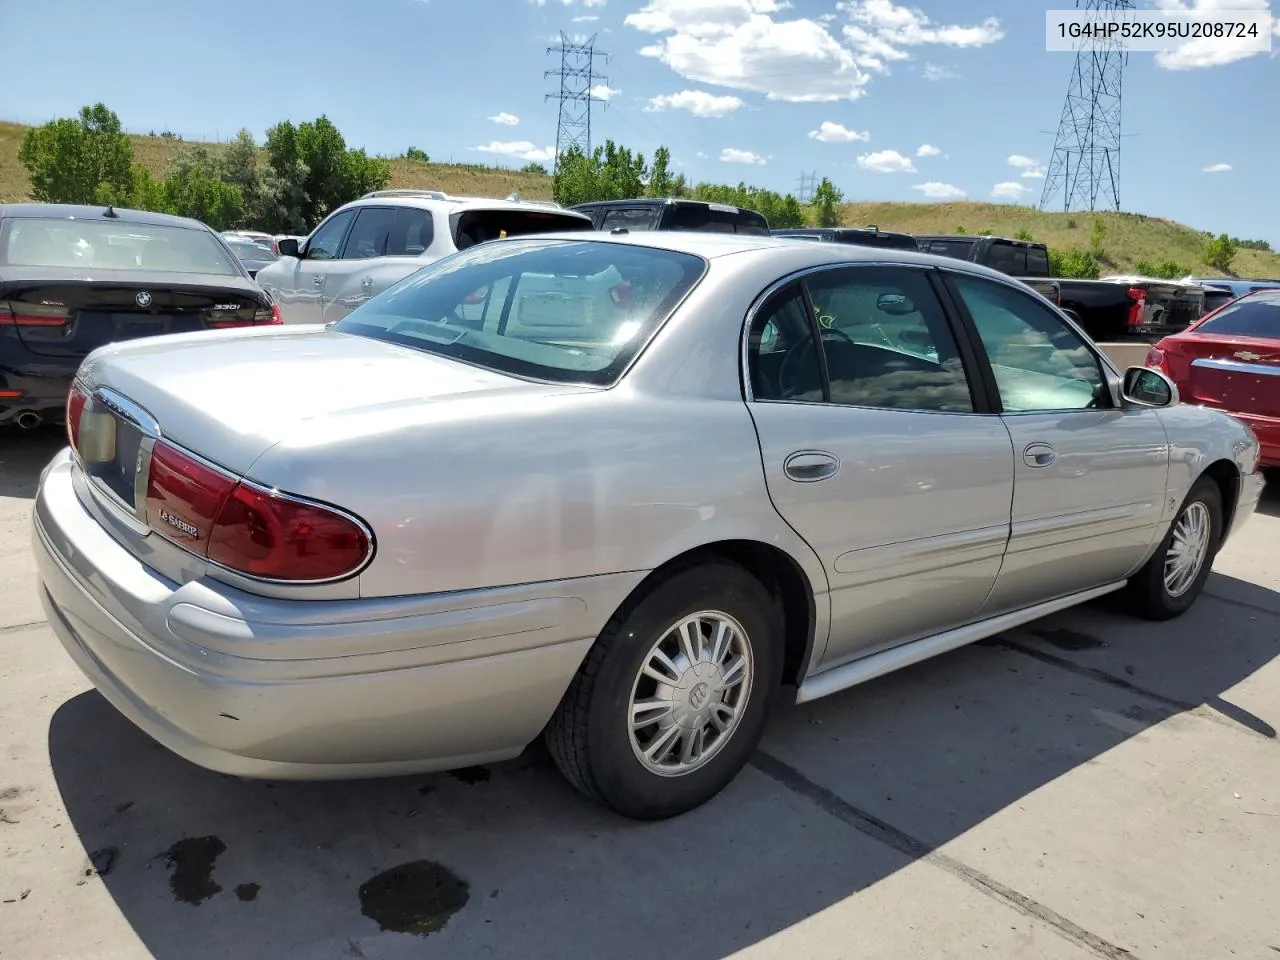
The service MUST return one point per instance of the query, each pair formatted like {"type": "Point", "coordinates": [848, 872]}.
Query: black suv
{"type": "Point", "coordinates": [870, 236]}
{"type": "Point", "coordinates": [656, 214]}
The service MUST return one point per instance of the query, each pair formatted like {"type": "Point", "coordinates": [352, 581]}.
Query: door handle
{"type": "Point", "coordinates": [1038, 455]}
{"type": "Point", "coordinates": [806, 466]}
{"type": "Point", "coordinates": [317, 280]}
{"type": "Point", "coordinates": [366, 281]}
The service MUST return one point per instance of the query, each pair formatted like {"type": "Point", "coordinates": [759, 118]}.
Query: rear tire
{"type": "Point", "coordinates": [697, 719]}
{"type": "Point", "coordinates": [1169, 582]}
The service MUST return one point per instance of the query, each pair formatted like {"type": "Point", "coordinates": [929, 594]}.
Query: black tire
{"type": "Point", "coordinates": [589, 737]}
{"type": "Point", "coordinates": [1146, 594]}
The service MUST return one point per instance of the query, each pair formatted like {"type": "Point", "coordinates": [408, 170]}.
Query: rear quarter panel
{"type": "Point", "coordinates": [1199, 437]}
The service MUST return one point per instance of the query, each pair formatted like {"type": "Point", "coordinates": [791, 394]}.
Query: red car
{"type": "Point", "coordinates": [1230, 360]}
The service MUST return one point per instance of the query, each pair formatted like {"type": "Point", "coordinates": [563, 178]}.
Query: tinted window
{"type": "Point", "coordinates": [368, 238]}
{"type": "Point", "coordinates": [1037, 262]}
{"type": "Point", "coordinates": [708, 219]}
{"type": "Point", "coordinates": [887, 342]}
{"type": "Point", "coordinates": [1213, 299]}
{"type": "Point", "coordinates": [480, 225]}
{"type": "Point", "coordinates": [631, 219]}
{"type": "Point", "coordinates": [251, 251]}
{"type": "Point", "coordinates": [324, 243]}
{"type": "Point", "coordinates": [959, 249]}
{"type": "Point", "coordinates": [1007, 258]}
{"type": "Point", "coordinates": [112, 245]}
{"type": "Point", "coordinates": [571, 311]}
{"type": "Point", "coordinates": [1255, 316]}
{"type": "Point", "coordinates": [781, 360]}
{"type": "Point", "coordinates": [1038, 361]}
{"type": "Point", "coordinates": [411, 234]}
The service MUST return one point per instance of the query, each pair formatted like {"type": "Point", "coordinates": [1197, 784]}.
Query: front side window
{"type": "Point", "coordinates": [568, 311]}
{"type": "Point", "coordinates": [327, 239]}
{"type": "Point", "coordinates": [370, 233]}
{"type": "Point", "coordinates": [113, 245]}
{"type": "Point", "coordinates": [1039, 362]}
{"type": "Point", "coordinates": [887, 342]}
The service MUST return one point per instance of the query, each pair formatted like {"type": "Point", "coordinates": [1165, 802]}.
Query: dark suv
{"type": "Point", "coordinates": [871, 236]}
{"type": "Point", "coordinates": [656, 214]}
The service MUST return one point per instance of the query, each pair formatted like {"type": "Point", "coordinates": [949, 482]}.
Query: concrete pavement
{"type": "Point", "coordinates": [1089, 786]}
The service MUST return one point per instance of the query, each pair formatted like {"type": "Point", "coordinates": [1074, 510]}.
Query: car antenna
{"type": "Point", "coordinates": [111, 212]}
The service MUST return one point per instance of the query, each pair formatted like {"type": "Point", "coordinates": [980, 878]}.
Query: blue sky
{"type": "Point", "coordinates": [953, 98]}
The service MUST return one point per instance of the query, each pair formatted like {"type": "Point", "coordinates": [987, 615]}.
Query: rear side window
{"type": "Point", "coordinates": [1037, 262]}
{"type": "Point", "coordinates": [113, 245]}
{"type": "Point", "coordinates": [1256, 316]}
{"type": "Point", "coordinates": [411, 234]}
{"type": "Point", "coordinates": [715, 219]}
{"type": "Point", "coordinates": [1008, 258]}
{"type": "Point", "coordinates": [631, 219]}
{"type": "Point", "coordinates": [368, 237]}
{"type": "Point", "coordinates": [958, 249]}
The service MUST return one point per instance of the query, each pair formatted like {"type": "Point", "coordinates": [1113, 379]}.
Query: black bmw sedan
{"type": "Point", "coordinates": [73, 278]}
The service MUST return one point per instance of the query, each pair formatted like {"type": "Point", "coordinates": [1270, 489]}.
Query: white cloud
{"type": "Point", "coordinates": [1208, 52]}
{"type": "Point", "coordinates": [505, 119]}
{"type": "Point", "coordinates": [829, 132]}
{"type": "Point", "coordinates": [698, 102]}
{"type": "Point", "coordinates": [937, 190]}
{"type": "Point", "coordinates": [570, 3]}
{"type": "Point", "coordinates": [1032, 169]}
{"type": "Point", "coordinates": [751, 45]}
{"type": "Point", "coordinates": [602, 91]}
{"type": "Point", "coordinates": [934, 72]}
{"type": "Point", "coordinates": [1010, 190]}
{"type": "Point", "coordinates": [734, 155]}
{"type": "Point", "coordinates": [886, 161]}
{"type": "Point", "coordinates": [591, 18]}
{"type": "Point", "coordinates": [1217, 168]}
{"type": "Point", "coordinates": [518, 149]}
{"type": "Point", "coordinates": [928, 150]}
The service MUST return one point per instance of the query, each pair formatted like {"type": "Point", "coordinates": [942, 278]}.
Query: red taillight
{"type": "Point", "coordinates": [32, 315]}
{"type": "Point", "coordinates": [76, 399]}
{"type": "Point", "coordinates": [1155, 358]}
{"type": "Point", "coordinates": [1138, 309]}
{"type": "Point", "coordinates": [248, 529]}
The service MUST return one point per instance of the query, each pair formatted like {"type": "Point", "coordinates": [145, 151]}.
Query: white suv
{"type": "Point", "coordinates": [369, 244]}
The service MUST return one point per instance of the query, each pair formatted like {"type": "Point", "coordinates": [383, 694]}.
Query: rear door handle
{"type": "Point", "coordinates": [317, 280]}
{"type": "Point", "coordinates": [806, 466]}
{"type": "Point", "coordinates": [1038, 455]}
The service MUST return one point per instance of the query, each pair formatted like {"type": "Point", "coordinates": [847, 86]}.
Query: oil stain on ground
{"type": "Point", "coordinates": [247, 891]}
{"type": "Point", "coordinates": [471, 775]}
{"type": "Point", "coordinates": [191, 859]}
{"type": "Point", "coordinates": [417, 897]}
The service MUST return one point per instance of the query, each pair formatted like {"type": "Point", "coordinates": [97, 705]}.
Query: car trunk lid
{"type": "Point", "coordinates": [1238, 374]}
{"type": "Point", "coordinates": [68, 314]}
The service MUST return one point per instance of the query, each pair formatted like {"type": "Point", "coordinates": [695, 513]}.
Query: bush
{"type": "Point", "coordinates": [413, 153]}
{"type": "Point", "coordinates": [1220, 252]}
{"type": "Point", "coordinates": [1097, 233]}
{"type": "Point", "coordinates": [960, 229]}
{"type": "Point", "coordinates": [1074, 264]}
{"type": "Point", "coordinates": [1024, 235]}
{"type": "Point", "coordinates": [1164, 270]}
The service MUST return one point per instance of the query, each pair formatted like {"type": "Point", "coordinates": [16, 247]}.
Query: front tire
{"type": "Point", "coordinates": [672, 699]}
{"type": "Point", "coordinates": [1169, 582]}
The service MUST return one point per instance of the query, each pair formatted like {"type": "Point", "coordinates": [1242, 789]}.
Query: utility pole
{"type": "Point", "coordinates": [1086, 151]}
{"type": "Point", "coordinates": [577, 78]}
{"type": "Point", "coordinates": [808, 184]}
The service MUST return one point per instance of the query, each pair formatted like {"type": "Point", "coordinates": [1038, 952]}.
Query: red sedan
{"type": "Point", "coordinates": [1230, 360]}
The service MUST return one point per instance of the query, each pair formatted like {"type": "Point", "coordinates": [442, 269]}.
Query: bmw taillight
{"type": "Point", "coordinates": [262, 317]}
{"type": "Point", "coordinates": [250, 529]}
{"type": "Point", "coordinates": [33, 315]}
{"type": "Point", "coordinates": [76, 399]}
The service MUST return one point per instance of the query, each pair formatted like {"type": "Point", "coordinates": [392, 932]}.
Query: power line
{"type": "Point", "coordinates": [808, 184]}
{"type": "Point", "coordinates": [577, 81]}
{"type": "Point", "coordinates": [1086, 150]}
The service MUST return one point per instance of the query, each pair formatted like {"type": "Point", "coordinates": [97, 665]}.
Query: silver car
{"type": "Point", "coordinates": [620, 491]}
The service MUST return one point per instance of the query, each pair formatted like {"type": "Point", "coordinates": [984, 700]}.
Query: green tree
{"type": "Point", "coordinates": [67, 160]}
{"type": "Point", "coordinates": [1097, 233]}
{"type": "Point", "coordinates": [534, 167]}
{"type": "Point", "coordinates": [413, 153]}
{"type": "Point", "coordinates": [826, 202]}
{"type": "Point", "coordinates": [660, 180]}
{"type": "Point", "coordinates": [1220, 253]}
{"type": "Point", "coordinates": [317, 172]}
{"type": "Point", "coordinates": [1074, 264]}
{"type": "Point", "coordinates": [611, 172]}
{"type": "Point", "coordinates": [791, 214]}
{"type": "Point", "coordinates": [143, 192]}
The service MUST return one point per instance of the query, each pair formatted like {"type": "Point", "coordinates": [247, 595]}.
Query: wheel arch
{"type": "Point", "coordinates": [1226, 475]}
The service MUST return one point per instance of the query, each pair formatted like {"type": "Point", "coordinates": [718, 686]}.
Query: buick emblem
{"type": "Point", "coordinates": [144, 299]}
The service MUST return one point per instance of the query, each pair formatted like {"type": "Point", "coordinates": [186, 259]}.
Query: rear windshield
{"type": "Point", "coordinates": [890, 241]}
{"type": "Point", "coordinates": [478, 226]}
{"type": "Point", "coordinates": [572, 311]}
{"type": "Point", "coordinates": [715, 219]}
{"type": "Point", "coordinates": [108, 245]}
{"type": "Point", "coordinates": [959, 249]}
{"type": "Point", "coordinates": [246, 250]}
{"type": "Point", "coordinates": [1257, 316]}
{"type": "Point", "coordinates": [1008, 258]}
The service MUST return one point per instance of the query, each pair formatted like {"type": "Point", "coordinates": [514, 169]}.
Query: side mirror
{"type": "Point", "coordinates": [288, 247]}
{"type": "Point", "coordinates": [1145, 387]}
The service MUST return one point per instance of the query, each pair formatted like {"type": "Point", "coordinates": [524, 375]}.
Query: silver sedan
{"type": "Point", "coordinates": [623, 492]}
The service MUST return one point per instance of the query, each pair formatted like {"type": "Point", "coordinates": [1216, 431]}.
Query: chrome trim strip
{"type": "Point", "coordinates": [878, 664]}
{"type": "Point", "coordinates": [1237, 366]}
{"type": "Point", "coordinates": [886, 556]}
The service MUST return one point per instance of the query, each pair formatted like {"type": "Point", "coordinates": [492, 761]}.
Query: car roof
{"type": "Point", "coordinates": [714, 245]}
{"type": "Point", "coordinates": [76, 211]}
{"type": "Point", "coordinates": [433, 200]}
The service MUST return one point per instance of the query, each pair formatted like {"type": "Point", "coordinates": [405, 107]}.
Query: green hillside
{"type": "Point", "coordinates": [1129, 237]}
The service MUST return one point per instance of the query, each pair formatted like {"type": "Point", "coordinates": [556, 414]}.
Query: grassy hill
{"type": "Point", "coordinates": [1129, 237]}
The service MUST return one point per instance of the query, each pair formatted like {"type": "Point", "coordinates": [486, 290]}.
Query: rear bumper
{"type": "Point", "coordinates": [1267, 430]}
{"type": "Point", "coordinates": [291, 689]}
{"type": "Point", "coordinates": [46, 396]}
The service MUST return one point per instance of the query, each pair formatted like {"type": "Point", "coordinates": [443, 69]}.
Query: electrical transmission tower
{"type": "Point", "coordinates": [1086, 151]}
{"type": "Point", "coordinates": [578, 79]}
{"type": "Point", "coordinates": [808, 184]}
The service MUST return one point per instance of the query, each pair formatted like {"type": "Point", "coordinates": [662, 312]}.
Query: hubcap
{"type": "Point", "coordinates": [690, 694]}
{"type": "Point", "coordinates": [1187, 549]}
